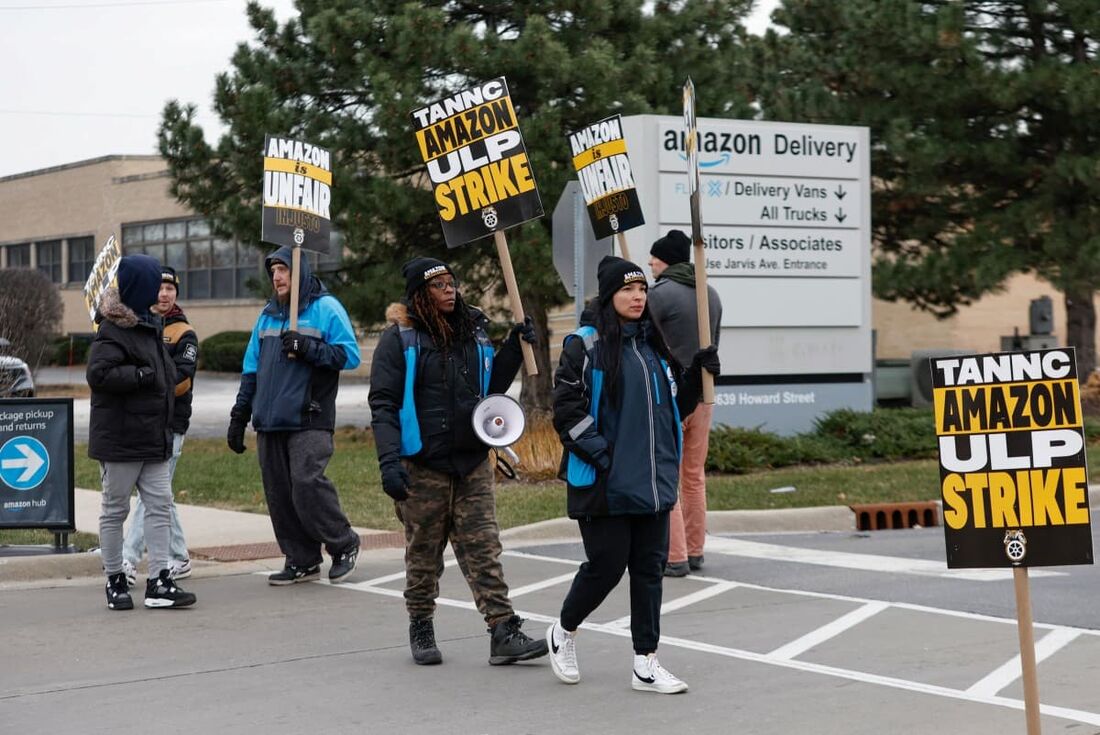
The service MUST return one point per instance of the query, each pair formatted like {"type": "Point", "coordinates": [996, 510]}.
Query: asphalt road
{"type": "Point", "coordinates": [214, 396]}
{"type": "Point", "coordinates": [831, 634]}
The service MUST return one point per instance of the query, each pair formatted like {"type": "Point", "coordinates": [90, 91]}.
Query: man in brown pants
{"type": "Point", "coordinates": [430, 368]}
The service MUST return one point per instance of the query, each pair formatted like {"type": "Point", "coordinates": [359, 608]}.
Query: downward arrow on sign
{"type": "Point", "coordinates": [30, 463]}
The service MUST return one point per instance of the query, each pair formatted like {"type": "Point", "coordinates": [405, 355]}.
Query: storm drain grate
{"type": "Point", "coordinates": [880, 516]}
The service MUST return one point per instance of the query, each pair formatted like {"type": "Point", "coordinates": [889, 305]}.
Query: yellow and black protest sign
{"type": "Point", "coordinates": [477, 163]}
{"type": "Point", "coordinates": [297, 194]}
{"type": "Point", "coordinates": [1012, 459]}
{"type": "Point", "coordinates": [607, 181]}
{"type": "Point", "coordinates": [102, 276]}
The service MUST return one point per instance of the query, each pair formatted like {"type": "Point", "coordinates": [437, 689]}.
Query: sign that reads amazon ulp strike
{"type": "Point", "coordinates": [1012, 459]}
{"type": "Point", "coordinates": [607, 183]}
{"type": "Point", "coordinates": [297, 194]}
{"type": "Point", "coordinates": [477, 162]}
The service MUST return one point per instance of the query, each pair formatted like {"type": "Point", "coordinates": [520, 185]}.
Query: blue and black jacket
{"type": "Point", "coordinates": [621, 457]}
{"type": "Point", "coordinates": [282, 394]}
{"type": "Point", "coordinates": [422, 398]}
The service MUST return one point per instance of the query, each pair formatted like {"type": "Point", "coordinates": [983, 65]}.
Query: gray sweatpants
{"type": "Point", "coordinates": [154, 485]}
{"type": "Point", "coordinates": [303, 504]}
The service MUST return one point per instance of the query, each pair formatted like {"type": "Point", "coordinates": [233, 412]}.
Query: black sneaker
{"type": "Point", "coordinates": [292, 574]}
{"type": "Point", "coordinates": [422, 642]}
{"type": "Point", "coordinates": [118, 593]}
{"type": "Point", "coordinates": [510, 644]}
{"type": "Point", "coordinates": [695, 562]}
{"type": "Point", "coordinates": [677, 569]}
{"type": "Point", "coordinates": [343, 564]}
{"type": "Point", "coordinates": [162, 591]}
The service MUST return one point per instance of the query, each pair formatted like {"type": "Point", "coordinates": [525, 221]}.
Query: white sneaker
{"type": "Point", "coordinates": [130, 572]}
{"type": "Point", "coordinates": [179, 569]}
{"type": "Point", "coordinates": [650, 676]}
{"type": "Point", "coordinates": [563, 653]}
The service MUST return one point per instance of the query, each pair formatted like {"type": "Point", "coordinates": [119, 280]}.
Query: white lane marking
{"type": "Point", "coordinates": [539, 557]}
{"type": "Point", "coordinates": [830, 630]}
{"type": "Point", "coordinates": [681, 602]}
{"type": "Point", "coordinates": [862, 562]}
{"type": "Point", "coordinates": [536, 586]}
{"type": "Point", "coordinates": [1089, 718]}
{"type": "Point", "coordinates": [1012, 669]}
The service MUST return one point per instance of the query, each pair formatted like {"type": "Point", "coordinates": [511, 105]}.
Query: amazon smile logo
{"type": "Point", "coordinates": [715, 148]}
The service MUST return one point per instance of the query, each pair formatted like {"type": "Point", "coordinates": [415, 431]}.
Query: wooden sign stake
{"type": "Point", "coordinates": [624, 251]}
{"type": "Point", "coordinates": [295, 264]}
{"type": "Point", "coordinates": [1027, 650]}
{"type": "Point", "coordinates": [513, 296]}
{"type": "Point", "coordinates": [702, 300]}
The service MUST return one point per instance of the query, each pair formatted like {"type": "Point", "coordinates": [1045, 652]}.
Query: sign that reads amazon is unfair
{"type": "Point", "coordinates": [297, 194]}
{"type": "Point", "coordinates": [1012, 459]}
{"type": "Point", "coordinates": [477, 162]}
{"type": "Point", "coordinates": [607, 183]}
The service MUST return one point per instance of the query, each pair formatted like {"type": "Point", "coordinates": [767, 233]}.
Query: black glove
{"type": "Point", "coordinates": [602, 460]}
{"type": "Point", "coordinates": [525, 331]}
{"type": "Point", "coordinates": [707, 359]}
{"type": "Point", "coordinates": [298, 344]}
{"type": "Point", "coordinates": [146, 376]}
{"type": "Point", "coordinates": [238, 421]}
{"type": "Point", "coordinates": [395, 481]}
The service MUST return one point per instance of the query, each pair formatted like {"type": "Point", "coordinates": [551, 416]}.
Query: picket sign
{"type": "Point", "coordinates": [104, 270]}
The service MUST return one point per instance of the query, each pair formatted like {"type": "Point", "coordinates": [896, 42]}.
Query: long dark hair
{"type": "Point", "coordinates": [445, 330]}
{"type": "Point", "coordinates": [609, 353]}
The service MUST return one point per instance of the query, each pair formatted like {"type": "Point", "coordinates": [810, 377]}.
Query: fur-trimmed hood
{"type": "Point", "coordinates": [112, 309]}
{"type": "Point", "coordinates": [398, 313]}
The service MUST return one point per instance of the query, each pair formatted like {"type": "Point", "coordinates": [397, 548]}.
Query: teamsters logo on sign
{"type": "Point", "coordinates": [297, 194]}
{"type": "Point", "coordinates": [477, 162]}
{"type": "Point", "coordinates": [599, 156]}
{"type": "Point", "coordinates": [1012, 459]}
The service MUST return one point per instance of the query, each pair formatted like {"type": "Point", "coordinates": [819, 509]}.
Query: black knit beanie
{"type": "Point", "coordinates": [419, 271]}
{"type": "Point", "coordinates": [613, 273]}
{"type": "Point", "coordinates": [168, 275]}
{"type": "Point", "coordinates": [138, 282]}
{"type": "Point", "coordinates": [673, 248]}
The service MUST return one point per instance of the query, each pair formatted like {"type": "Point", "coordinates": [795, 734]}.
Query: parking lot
{"type": "Point", "coordinates": [770, 639]}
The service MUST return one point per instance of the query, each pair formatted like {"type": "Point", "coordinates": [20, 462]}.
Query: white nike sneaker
{"type": "Point", "coordinates": [650, 676]}
{"type": "Point", "coordinates": [563, 653]}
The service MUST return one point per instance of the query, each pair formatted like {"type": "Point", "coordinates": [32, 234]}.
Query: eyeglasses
{"type": "Point", "coordinates": [443, 285]}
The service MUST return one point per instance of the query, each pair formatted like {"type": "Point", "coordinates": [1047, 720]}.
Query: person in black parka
{"type": "Point", "coordinates": [133, 379]}
{"type": "Point", "coordinates": [618, 394]}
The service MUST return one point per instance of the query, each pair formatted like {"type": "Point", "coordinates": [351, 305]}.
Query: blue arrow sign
{"type": "Point", "coordinates": [24, 463]}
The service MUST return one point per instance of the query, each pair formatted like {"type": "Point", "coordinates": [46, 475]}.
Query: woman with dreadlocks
{"type": "Point", "coordinates": [618, 395]}
{"type": "Point", "coordinates": [431, 367]}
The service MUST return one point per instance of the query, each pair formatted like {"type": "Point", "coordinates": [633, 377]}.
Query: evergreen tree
{"type": "Point", "coordinates": [986, 145]}
{"type": "Point", "coordinates": [346, 75]}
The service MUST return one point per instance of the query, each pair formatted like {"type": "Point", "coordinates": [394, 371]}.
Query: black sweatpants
{"type": "Point", "coordinates": [303, 504]}
{"type": "Point", "coordinates": [614, 544]}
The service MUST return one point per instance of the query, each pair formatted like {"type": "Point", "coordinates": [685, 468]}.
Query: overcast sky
{"type": "Point", "coordinates": [88, 78]}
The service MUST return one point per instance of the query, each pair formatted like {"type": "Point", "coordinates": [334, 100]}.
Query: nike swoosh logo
{"type": "Point", "coordinates": [553, 644]}
{"type": "Point", "coordinates": [647, 680]}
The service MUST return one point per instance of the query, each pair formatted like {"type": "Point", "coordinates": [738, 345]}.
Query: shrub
{"type": "Point", "coordinates": [224, 351]}
{"type": "Point", "coordinates": [839, 436]}
{"type": "Point", "coordinates": [896, 433]}
{"type": "Point", "coordinates": [60, 348]}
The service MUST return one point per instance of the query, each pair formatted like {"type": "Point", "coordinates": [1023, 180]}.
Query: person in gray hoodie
{"type": "Point", "coordinates": [672, 308]}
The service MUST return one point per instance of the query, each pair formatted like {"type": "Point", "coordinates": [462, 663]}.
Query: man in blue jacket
{"type": "Point", "coordinates": [288, 389]}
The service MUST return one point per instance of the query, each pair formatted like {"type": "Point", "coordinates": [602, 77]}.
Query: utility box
{"type": "Point", "coordinates": [1041, 318]}
{"type": "Point", "coordinates": [1027, 342]}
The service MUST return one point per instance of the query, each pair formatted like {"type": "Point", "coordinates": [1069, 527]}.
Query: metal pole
{"type": "Point", "coordinates": [579, 213]}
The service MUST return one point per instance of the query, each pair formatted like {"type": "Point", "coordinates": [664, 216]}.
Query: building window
{"type": "Point", "coordinates": [208, 266]}
{"type": "Point", "coordinates": [19, 256]}
{"type": "Point", "coordinates": [81, 258]}
{"type": "Point", "coordinates": [49, 259]}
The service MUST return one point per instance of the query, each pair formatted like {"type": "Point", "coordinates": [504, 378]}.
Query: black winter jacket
{"type": "Point", "coordinates": [130, 422]}
{"type": "Point", "coordinates": [446, 391]}
{"type": "Point", "coordinates": [634, 443]}
{"type": "Point", "coordinates": [183, 347]}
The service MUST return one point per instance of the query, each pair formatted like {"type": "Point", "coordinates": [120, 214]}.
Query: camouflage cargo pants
{"type": "Point", "coordinates": [462, 510]}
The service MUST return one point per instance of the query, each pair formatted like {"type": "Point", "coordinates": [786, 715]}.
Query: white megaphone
{"type": "Point", "coordinates": [499, 422]}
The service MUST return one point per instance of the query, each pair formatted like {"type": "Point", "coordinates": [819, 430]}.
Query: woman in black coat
{"type": "Point", "coordinates": [617, 400]}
